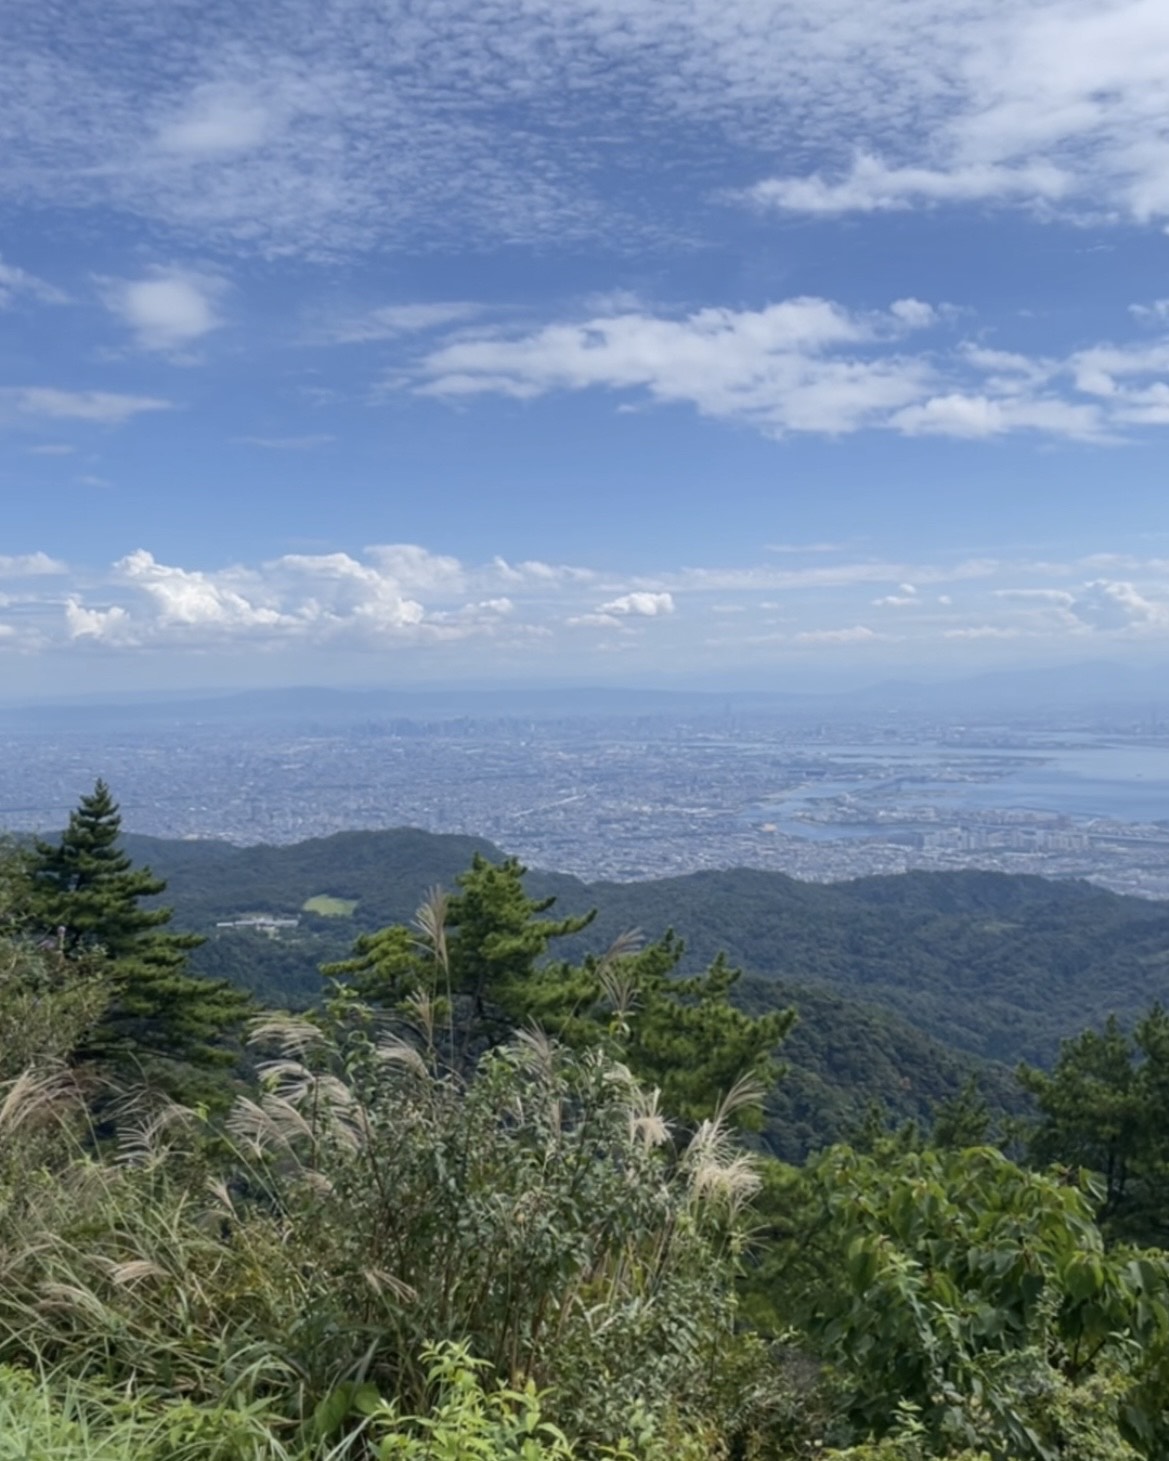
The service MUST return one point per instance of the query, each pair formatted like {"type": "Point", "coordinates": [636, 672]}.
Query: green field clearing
{"type": "Point", "coordinates": [327, 906]}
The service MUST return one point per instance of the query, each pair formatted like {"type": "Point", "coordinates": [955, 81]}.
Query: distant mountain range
{"type": "Point", "coordinates": [905, 984]}
{"type": "Point", "coordinates": [1072, 688]}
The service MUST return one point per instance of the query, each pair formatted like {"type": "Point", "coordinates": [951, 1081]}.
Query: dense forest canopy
{"type": "Point", "coordinates": [1000, 966]}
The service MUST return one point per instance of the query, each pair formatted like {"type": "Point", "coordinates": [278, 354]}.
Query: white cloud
{"type": "Point", "coordinates": [404, 595]}
{"type": "Point", "coordinates": [642, 605]}
{"type": "Point", "coordinates": [29, 565]}
{"type": "Point", "coordinates": [872, 186]}
{"type": "Point", "coordinates": [1156, 313]}
{"type": "Point", "coordinates": [112, 625]}
{"type": "Point", "coordinates": [959, 414]}
{"type": "Point", "coordinates": [857, 634]}
{"type": "Point", "coordinates": [417, 570]}
{"type": "Point", "coordinates": [16, 283]}
{"type": "Point", "coordinates": [594, 621]}
{"type": "Point", "coordinates": [217, 119]}
{"type": "Point", "coordinates": [378, 123]}
{"type": "Point", "coordinates": [167, 311]}
{"type": "Point", "coordinates": [391, 321]}
{"type": "Point", "coordinates": [1046, 103]}
{"type": "Point", "coordinates": [1057, 597]}
{"type": "Point", "coordinates": [800, 365]}
{"type": "Point", "coordinates": [106, 407]}
{"type": "Point", "coordinates": [1109, 605]}
{"type": "Point", "coordinates": [810, 365]}
{"type": "Point", "coordinates": [534, 572]}
{"type": "Point", "coordinates": [983, 631]}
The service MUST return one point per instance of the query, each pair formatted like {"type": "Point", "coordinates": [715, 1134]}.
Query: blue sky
{"type": "Point", "coordinates": [756, 342]}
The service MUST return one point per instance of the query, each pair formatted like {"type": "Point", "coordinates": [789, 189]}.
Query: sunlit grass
{"type": "Point", "coordinates": [326, 906]}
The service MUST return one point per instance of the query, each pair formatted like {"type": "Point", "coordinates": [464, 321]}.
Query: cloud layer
{"type": "Point", "coordinates": [319, 129]}
{"type": "Point", "coordinates": [396, 597]}
{"type": "Point", "coordinates": [813, 366]}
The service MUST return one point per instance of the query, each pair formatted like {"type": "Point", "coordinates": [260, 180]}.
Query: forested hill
{"type": "Point", "coordinates": [999, 966]}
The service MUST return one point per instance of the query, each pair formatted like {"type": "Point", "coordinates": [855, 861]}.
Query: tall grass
{"type": "Point", "coordinates": [360, 1207]}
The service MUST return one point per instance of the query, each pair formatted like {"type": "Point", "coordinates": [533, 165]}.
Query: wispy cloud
{"type": "Point", "coordinates": [288, 443]}
{"type": "Point", "coordinates": [30, 565]}
{"type": "Point", "coordinates": [17, 283]}
{"type": "Point", "coordinates": [104, 407]}
{"type": "Point", "coordinates": [809, 365]}
{"type": "Point", "coordinates": [376, 123]}
{"type": "Point", "coordinates": [1043, 104]}
{"type": "Point", "coordinates": [390, 321]}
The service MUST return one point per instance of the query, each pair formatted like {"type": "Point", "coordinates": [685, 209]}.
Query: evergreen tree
{"type": "Point", "coordinates": [479, 960]}
{"type": "Point", "coordinates": [86, 896]}
{"type": "Point", "coordinates": [1105, 1106]}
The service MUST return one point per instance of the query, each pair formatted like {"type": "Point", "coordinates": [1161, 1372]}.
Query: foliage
{"type": "Point", "coordinates": [1105, 1106]}
{"type": "Point", "coordinates": [999, 966]}
{"type": "Point", "coordinates": [86, 897]}
{"type": "Point", "coordinates": [976, 1291]}
{"type": "Point", "coordinates": [478, 960]}
{"type": "Point", "coordinates": [364, 1206]}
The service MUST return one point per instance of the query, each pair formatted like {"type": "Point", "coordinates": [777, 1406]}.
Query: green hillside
{"type": "Point", "coordinates": [1001, 967]}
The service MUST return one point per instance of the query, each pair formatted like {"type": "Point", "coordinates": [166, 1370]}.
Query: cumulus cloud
{"type": "Point", "coordinates": [168, 310]}
{"type": "Point", "coordinates": [1107, 605]}
{"type": "Point", "coordinates": [642, 605]}
{"type": "Point", "coordinates": [311, 598]}
{"type": "Point", "coordinates": [402, 595]}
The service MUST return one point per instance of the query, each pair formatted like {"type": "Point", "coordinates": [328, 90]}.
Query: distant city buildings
{"type": "Point", "coordinates": [636, 797]}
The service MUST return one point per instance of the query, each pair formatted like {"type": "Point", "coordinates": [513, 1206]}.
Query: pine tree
{"type": "Point", "coordinates": [87, 896]}
{"type": "Point", "coordinates": [480, 958]}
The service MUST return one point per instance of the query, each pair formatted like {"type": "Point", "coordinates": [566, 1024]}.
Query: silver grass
{"type": "Point", "coordinates": [35, 1093]}
{"type": "Point", "coordinates": [134, 1270]}
{"type": "Point", "coordinates": [648, 1128]}
{"type": "Point", "coordinates": [385, 1283]}
{"type": "Point", "coordinates": [393, 1050]}
{"type": "Point", "coordinates": [731, 1182]}
{"type": "Point", "coordinates": [292, 1034]}
{"type": "Point", "coordinates": [537, 1050]}
{"type": "Point", "coordinates": [430, 920]}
